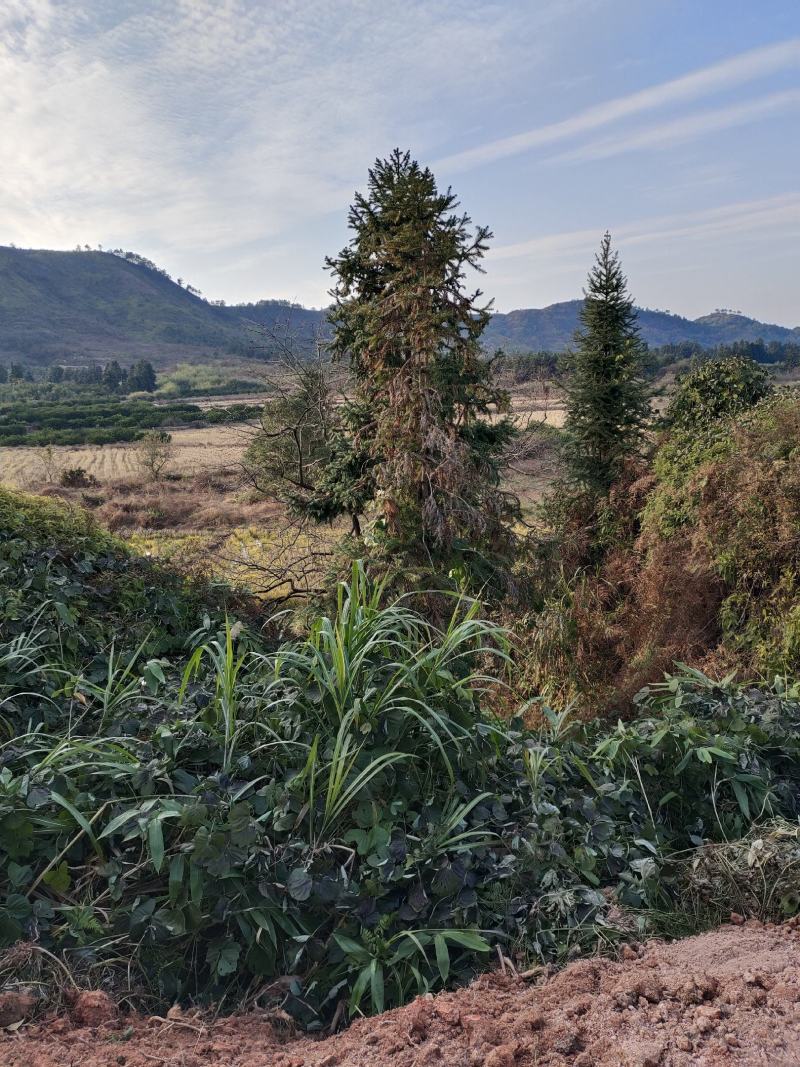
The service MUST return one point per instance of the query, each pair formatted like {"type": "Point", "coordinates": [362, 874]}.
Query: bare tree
{"type": "Point", "coordinates": [49, 463]}
{"type": "Point", "coordinates": [155, 450]}
{"type": "Point", "coordinates": [287, 449]}
{"type": "Point", "coordinates": [292, 437]}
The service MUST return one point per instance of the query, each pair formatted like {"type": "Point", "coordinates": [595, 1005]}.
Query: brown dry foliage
{"type": "Point", "coordinates": [206, 501]}
{"type": "Point", "coordinates": [715, 591]}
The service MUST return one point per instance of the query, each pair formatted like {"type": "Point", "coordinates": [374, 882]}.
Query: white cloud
{"type": "Point", "coordinates": [750, 217]}
{"type": "Point", "coordinates": [668, 134]}
{"type": "Point", "coordinates": [212, 123]}
{"type": "Point", "coordinates": [724, 75]}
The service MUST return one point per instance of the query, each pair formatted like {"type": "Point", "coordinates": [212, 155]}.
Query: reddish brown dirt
{"type": "Point", "coordinates": [727, 997]}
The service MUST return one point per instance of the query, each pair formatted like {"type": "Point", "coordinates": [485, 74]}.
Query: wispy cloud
{"type": "Point", "coordinates": [216, 122]}
{"type": "Point", "coordinates": [741, 254]}
{"type": "Point", "coordinates": [668, 134]}
{"type": "Point", "coordinates": [735, 71]}
{"type": "Point", "coordinates": [761, 217]}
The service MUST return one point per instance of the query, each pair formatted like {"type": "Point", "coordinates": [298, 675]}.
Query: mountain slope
{"type": "Point", "coordinates": [552, 328]}
{"type": "Point", "coordinates": [79, 306]}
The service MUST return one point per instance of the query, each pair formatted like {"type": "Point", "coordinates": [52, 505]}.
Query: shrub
{"type": "Point", "coordinates": [717, 388]}
{"type": "Point", "coordinates": [76, 478]}
{"type": "Point", "coordinates": [154, 453]}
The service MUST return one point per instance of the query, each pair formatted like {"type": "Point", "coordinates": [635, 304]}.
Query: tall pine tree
{"type": "Point", "coordinates": [607, 400]}
{"type": "Point", "coordinates": [410, 332]}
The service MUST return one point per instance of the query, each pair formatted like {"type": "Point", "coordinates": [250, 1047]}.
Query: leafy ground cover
{"type": "Point", "coordinates": [337, 818]}
{"type": "Point", "coordinates": [79, 589]}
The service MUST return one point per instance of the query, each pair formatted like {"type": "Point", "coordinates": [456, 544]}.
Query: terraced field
{"type": "Point", "coordinates": [195, 450]}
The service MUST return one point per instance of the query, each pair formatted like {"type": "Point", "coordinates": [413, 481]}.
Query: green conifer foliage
{"type": "Point", "coordinates": [410, 332]}
{"type": "Point", "coordinates": [607, 400]}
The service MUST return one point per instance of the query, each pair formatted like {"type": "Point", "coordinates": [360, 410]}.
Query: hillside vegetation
{"type": "Point", "coordinates": [78, 306]}
{"type": "Point", "coordinates": [700, 565]}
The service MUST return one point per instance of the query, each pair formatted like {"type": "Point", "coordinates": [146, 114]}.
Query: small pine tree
{"type": "Point", "coordinates": [608, 404]}
{"type": "Point", "coordinates": [411, 335]}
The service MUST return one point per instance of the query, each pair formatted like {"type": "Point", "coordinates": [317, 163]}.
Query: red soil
{"type": "Point", "coordinates": [727, 997]}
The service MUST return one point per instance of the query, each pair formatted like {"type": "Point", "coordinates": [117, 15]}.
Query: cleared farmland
{"type": "Point", "coordinates": [195, 450]}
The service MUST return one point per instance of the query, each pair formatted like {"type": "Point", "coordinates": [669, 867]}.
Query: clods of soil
{"type": "Point", "coordinates": [731, 996]}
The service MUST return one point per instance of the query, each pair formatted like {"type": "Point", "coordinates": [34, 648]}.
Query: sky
{"type": "Point", "coordinates": [224, 139]}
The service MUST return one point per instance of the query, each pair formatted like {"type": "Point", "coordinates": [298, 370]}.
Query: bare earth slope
{"type": "Point", "coordinates": [727, 997]}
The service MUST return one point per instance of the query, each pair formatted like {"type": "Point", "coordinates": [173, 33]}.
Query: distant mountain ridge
{"type": "Point", "coordinates": [79, 306]}
{"type": "Point", "coordinates": [552, 328]}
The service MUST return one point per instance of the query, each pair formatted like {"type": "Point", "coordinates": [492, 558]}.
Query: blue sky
{"type": "Point", "coordinates": [224, 138]}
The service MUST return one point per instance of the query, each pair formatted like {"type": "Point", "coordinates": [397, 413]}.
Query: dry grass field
{"type": "Point", "coordinates": [195, 451]}
{"type": "Point", "coordinates": [203, 516]}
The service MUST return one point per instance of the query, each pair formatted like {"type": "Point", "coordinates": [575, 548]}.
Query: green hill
{"type": "Point", "coordinates": [79, 306]}
{"type": "Point", "coordinates": [551, 328]}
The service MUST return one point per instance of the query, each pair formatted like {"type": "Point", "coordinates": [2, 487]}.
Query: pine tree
{"type": "Point", "coordinates": [142, 377]}
{"type": "Point", "coordinates": [411, 335]}
{"type": "Point", "coordinates": [607, 400]}
{"type": "Point", "coordinates": [112, 375]}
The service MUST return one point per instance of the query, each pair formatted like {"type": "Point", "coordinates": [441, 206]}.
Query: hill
{"type": "Point", "coordinates": [79, 306]}
{"type": "Point", "coordinates": [551, 328]}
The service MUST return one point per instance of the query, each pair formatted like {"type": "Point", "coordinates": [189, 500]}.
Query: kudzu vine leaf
{"type": "Point", "coordinates": [299, 884]}
{"type": "Point", "coordinates": [223, 956]}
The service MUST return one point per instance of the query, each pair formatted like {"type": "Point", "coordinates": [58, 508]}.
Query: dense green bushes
{"type": "Point", "coordinates": [716, 389]}
{"type": "Point", "coordinates": [85, 589]}
{"type": "Point", "coordinates": [341, 811]}
{"type": "Point", "coordinates": [88, 420]}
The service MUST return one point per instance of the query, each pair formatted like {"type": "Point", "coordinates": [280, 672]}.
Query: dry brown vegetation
{"type": "Point", "coordinates": [700, 567]}
{"type": "Point", "coordinates": [194, 450]}
{"type": "Point", "coordinates": [203, 515]}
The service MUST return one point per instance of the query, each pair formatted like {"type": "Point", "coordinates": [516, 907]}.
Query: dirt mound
{"type": "Point", "coordinates": [727, 997]}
